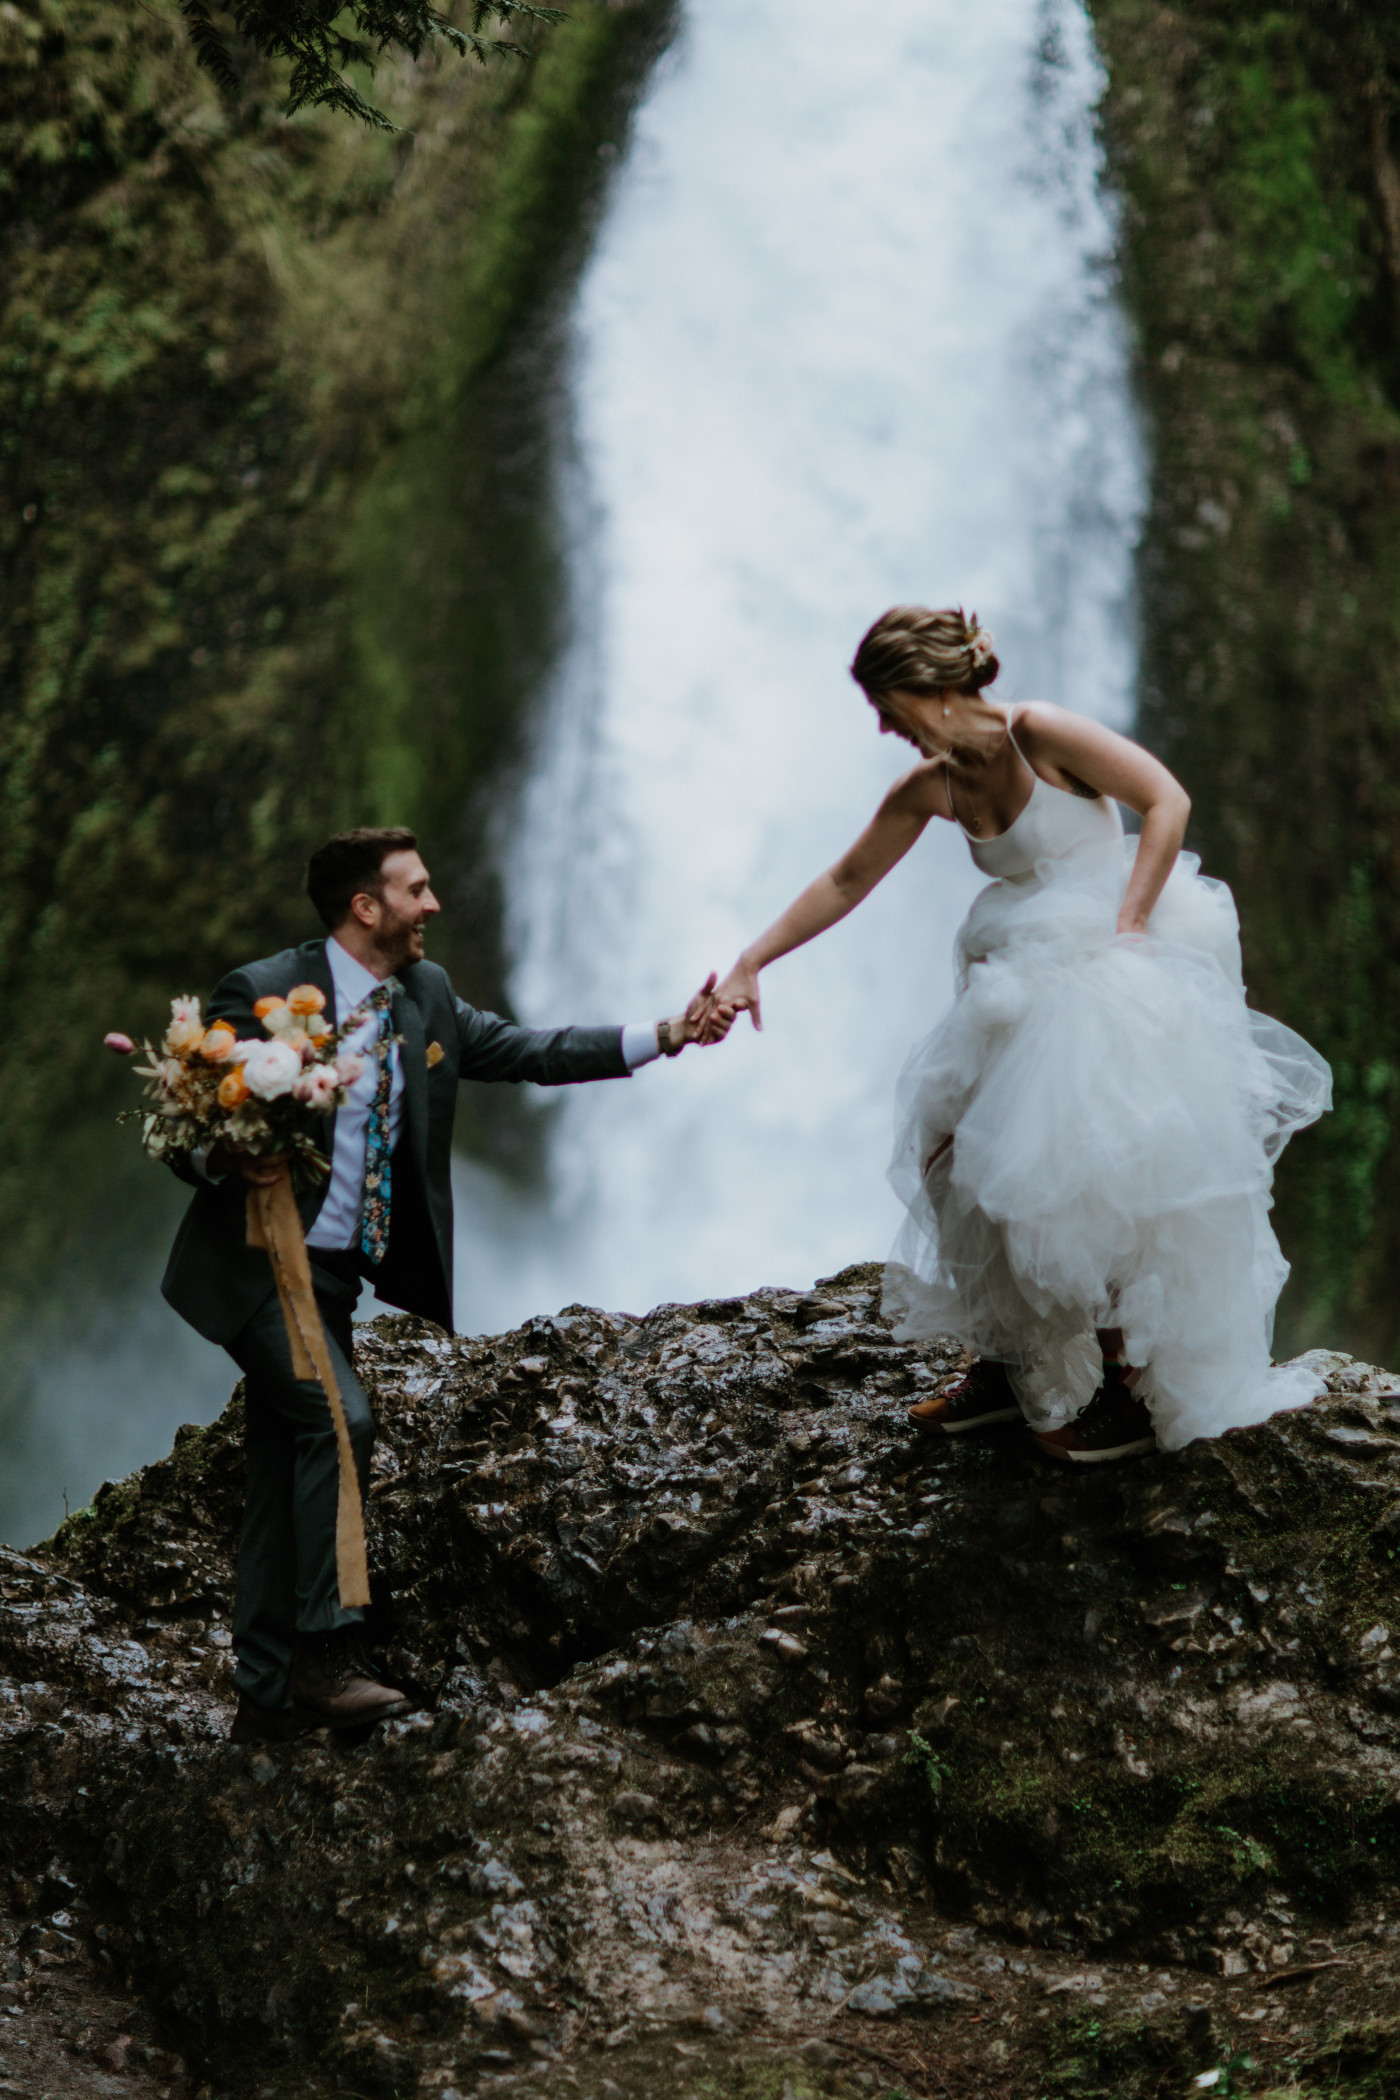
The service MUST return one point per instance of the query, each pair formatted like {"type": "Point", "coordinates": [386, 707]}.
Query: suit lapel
{"type": "Point", "coordinates": [413, 1050]}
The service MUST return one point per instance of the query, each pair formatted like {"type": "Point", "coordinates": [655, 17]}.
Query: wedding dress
{"type": "Point", "coordinates": [1115, 1111]}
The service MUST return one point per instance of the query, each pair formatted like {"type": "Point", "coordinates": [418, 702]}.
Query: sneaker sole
{"type": "Point", "coordinates": [995, 1414]}
{"type": "Point", "coordinates": [1139, 1448]}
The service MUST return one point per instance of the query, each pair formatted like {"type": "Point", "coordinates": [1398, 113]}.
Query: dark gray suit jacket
{"type": "Point", "coordinates": [217, 1282]}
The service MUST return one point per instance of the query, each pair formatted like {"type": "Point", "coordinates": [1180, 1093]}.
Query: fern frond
{"type": "Point", "coordinates": [209, 47]}
{"type": "Point", "coordinates": [303, 34]}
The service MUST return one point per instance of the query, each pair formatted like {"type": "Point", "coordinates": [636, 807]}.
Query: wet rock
{"type": "Point", "coordinates": [732, 1692]}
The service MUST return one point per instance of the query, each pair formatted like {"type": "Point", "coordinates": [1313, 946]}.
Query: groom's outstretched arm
{"type": "Point", "coordinates": [497, 1049]}
{"type": "Point", "coordinates": [493, 1048]}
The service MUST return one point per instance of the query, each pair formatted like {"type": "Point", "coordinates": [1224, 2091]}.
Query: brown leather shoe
{"type": "Point", "coordinates": [260, 1724]}
{"type": "Point", "coordinates": [979, 1398]}
{"type": "Point", "coordinates": [330, 1680]}
{"type": "Point", "coordinates": [1115, 1424]}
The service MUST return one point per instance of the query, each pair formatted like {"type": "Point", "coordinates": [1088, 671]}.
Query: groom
{"type": "Point", "coordinates": [385, 1213]}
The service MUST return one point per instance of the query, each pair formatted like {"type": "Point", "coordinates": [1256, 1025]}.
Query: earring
{"type": "Point", "coordinates": [945, 714]}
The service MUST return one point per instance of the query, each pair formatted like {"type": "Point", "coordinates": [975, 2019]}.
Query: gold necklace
{"type": "Point", "coordinates": [975, 827]}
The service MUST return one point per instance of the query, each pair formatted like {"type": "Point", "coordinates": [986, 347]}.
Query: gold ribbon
{"type": "Point", "coordinates": [274, 1223]}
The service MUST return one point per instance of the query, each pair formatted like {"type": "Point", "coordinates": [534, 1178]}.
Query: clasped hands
{"type": "Point", "coordinates": [720, 1003]}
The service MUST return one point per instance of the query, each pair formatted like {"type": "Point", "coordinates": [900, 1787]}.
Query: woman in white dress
{"type": "Point", "coordinates": [1087, 1140]}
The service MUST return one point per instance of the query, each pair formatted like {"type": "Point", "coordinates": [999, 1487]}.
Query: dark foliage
{"type": "Point", "coordinates": [321, 39]}
{"type": "Point", "coordinates": [1258, 154]}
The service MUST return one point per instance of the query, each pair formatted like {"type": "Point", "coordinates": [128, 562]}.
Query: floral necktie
{"type": "Point", "coordinates": [374, 1216]}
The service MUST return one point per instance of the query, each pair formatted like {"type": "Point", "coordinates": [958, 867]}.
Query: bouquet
{"type": "Point", "coordinates": [257, 1095]}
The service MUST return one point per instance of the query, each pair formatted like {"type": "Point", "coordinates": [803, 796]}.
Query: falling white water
{"type": "Point", "coordinates": [849, 337]}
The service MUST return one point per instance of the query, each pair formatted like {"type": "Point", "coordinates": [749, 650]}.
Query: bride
{"type": "Point", "coordinates": [1087, 1139]}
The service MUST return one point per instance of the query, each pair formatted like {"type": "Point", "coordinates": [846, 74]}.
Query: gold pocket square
{"type": "Point", "coordinates": [436, 1054]}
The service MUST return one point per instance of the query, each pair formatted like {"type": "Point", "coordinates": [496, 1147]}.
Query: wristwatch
{"type": "Point", "coordinates": [665, 1042]}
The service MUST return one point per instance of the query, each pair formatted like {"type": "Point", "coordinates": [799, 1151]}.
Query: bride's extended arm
{"type": "Point", "coordinates": [896, 825]}
{"type": "Point", "coordinates": [1070, 744]}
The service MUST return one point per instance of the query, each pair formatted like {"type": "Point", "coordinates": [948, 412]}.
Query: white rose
{"type": "Point", "coordinates": [271, 1069]}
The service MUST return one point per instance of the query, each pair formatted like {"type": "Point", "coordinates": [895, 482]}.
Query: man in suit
{"type": "Point", "coordinates": [384, 1213]}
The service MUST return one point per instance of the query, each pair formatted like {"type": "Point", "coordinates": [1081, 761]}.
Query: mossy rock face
{"type": "Point", "coordinates": [277, 402]}
{"type": "Point", "coordinates": [752, 1723]}
{"type": "Point", "coordinates": [1256, 151]}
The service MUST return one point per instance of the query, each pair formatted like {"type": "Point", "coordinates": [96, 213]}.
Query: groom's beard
{"type": "Point", "coordinates": [399, 941]}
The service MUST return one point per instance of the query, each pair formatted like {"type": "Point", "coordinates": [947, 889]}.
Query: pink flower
{"type": "Point", "coordinates": [350, 1066]}
{"type": "Point", "coordinates": [317, 1087]}
{"type": "Point", "coordinates": [122, 1044]}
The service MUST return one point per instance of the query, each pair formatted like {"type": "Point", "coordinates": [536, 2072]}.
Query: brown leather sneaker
{"type": "Point", "coordinates": [259, 1724]}
{"type": "Point", "coordinates": [330, 1680]}
{"type": "Point", "coordinates": [979, 1398]}
{"type": "Point", "coordinates": [1115, 1424]}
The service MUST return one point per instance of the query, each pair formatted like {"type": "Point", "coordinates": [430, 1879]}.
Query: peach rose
{"type": "Point", "coordinates": [233, 1089]}
{"type": "Point", "coordinates": [306, 999]}
{"type": "Point", "coordinates": [269, 1005]}
{"type": "Point", "coordinates": [218, 1041]}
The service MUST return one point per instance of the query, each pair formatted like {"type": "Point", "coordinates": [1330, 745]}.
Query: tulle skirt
{"type": "Point", "coordinates": [1088, 1138]}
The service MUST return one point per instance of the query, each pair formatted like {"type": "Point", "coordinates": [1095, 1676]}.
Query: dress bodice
{"type": "Point", "coordinates": [1053, 825]}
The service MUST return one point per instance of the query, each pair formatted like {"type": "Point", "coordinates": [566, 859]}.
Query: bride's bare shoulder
{"type": "Point", "coordinates": [1034, 720]}
{"type": "Point", "coordinates": [923, 790]}
{"type": "Point", "coordinates": [1043, 723]}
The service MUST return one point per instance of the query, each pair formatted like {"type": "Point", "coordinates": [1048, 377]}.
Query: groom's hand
{"type": "Point", "coordinates": [261, 1168]}
{"type": "Point", "coordinates": [704, 1020]}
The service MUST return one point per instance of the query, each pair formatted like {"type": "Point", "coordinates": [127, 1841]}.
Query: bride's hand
{"type": "Point", "coordinates": [739, 991]}
{"type": "Point", "coordinates": [707, 1019]}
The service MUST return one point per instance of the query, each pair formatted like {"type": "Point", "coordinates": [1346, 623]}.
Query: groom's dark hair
{"type": "Point", "coordinates": [348, 866]}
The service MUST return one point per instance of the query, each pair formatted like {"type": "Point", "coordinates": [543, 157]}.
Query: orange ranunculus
{"type": "Point", "coordinates": [263, 1007]}
{"type": "Point", "coordinates": [233, 1089]}
{"type": "Point", "coordinates": [306, 999]}
{"type": "Point", "coordinates": [218, 1042]}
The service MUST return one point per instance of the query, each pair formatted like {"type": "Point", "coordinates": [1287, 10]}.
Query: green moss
{"type": "Point", "coordinates": [460, 595]}
{"type": "Point", "coordinates": [1360, 2061]}
{"type": "Point", "coordinates": [268, 566]}
{"type": "Point", "coordinates": [1257, 156]}
{"type": "Point", "coordinates": [1112, 2056]}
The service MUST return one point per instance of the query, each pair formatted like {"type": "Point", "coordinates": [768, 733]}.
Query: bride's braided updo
{"type": "Point", "coordinates": [913, 650]}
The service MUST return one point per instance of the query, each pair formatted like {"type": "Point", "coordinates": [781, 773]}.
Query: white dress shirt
{"type": "Point", "coordinates": [338, 1220]}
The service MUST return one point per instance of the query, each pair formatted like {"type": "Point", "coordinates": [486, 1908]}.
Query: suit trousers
{"type": "Point", "coordinates": [286, 1557]}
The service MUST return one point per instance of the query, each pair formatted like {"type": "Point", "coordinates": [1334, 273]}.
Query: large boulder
{"type": "Point", "coordinates": [758, 1730]}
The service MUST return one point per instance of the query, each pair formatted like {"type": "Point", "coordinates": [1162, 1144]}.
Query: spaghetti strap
{"type": "Point", "coordinates": [1011, 732]}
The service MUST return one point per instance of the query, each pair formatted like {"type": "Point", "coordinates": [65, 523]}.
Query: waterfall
{"type": "Point", "coordinates": [849, 337]}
